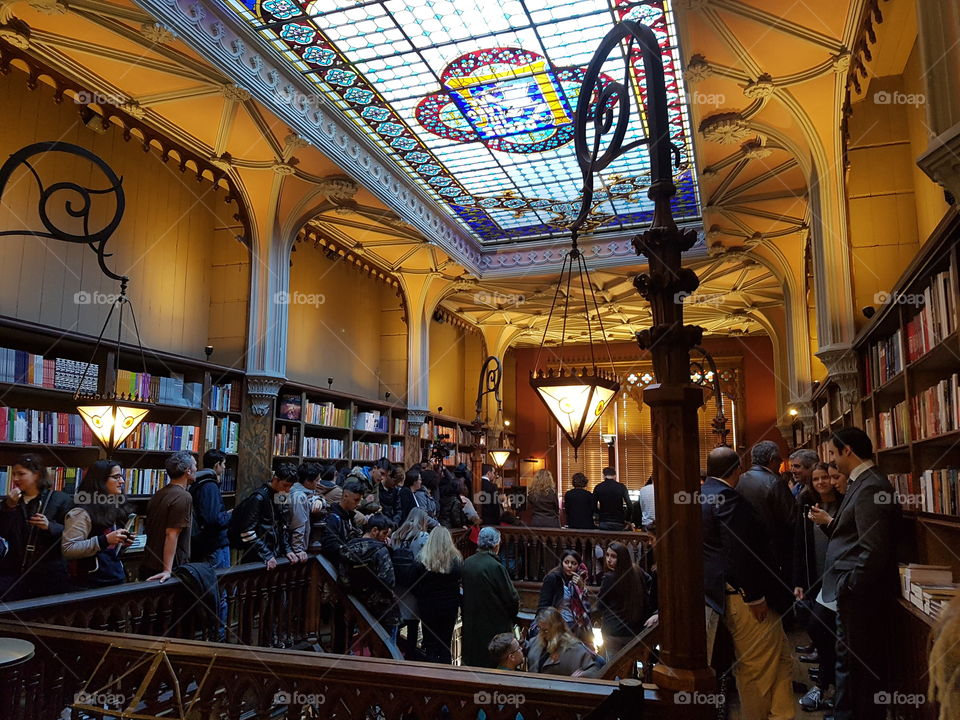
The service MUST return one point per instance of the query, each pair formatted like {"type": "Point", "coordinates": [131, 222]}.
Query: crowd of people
{"type": "Point", "coordinates": [818, 542]}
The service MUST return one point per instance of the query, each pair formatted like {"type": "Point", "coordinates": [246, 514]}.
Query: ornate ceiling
{"type": "Point", "coordinates": [765, 84]}
{"type": "Point", "coordinates": [475, 101]}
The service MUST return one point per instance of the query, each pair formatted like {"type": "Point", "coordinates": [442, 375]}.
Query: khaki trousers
{"type": "Point", "coordinates": [764, 664]}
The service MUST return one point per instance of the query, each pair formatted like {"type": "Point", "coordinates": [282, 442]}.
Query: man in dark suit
{"type": "Point", "coordinates": [739, 581]}
{"type": "Point", "coordinates": [860, 581]}
{"type": "Point", "coordinates": [773, 502]}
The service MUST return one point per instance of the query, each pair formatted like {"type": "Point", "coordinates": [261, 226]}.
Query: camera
{"type": "Point", "coordinates": [440, 449]}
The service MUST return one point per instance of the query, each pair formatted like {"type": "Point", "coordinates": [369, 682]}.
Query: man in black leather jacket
{"type": "Point", "coordinates": [259, 526]}
{"type": "Point", "coordinates": [772, 501]}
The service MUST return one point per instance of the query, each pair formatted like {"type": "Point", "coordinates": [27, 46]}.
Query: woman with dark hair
{"type": "Point", "coordinates": [623, 599]}
{"type": "Point", "coordinates": [94, 533]}
{"type": "Point", "coordinates": [31, 520]}
{"type": "Point", "coordinates": [565, 588]}
{"type": "Point", "coordinates": [578, 505]}
{"type": "Point", "coordinates": [556, 651]}
{"type": "Point", "coordinates": [451, 505]}
{"type": "Point", "coordinates": [426, 496]}
{"type": "Point", "coordinates": [809, 556]}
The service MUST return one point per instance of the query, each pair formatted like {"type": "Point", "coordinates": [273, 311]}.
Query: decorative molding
{"type": "Point", "coordinates": [762, 87]}
{"type": "Point", "coordinates": [415, 419]}
{"type": "Point", "coordinates": [231, 46]}
{"type": "Point", "coordinates": [338, 187]}
{"type": "Point", "coordinates": [725, 129]}
{"type": "Point", "coordinates": [941, 161]}
{"type": "Point", "coordinates": [234, 94]}
{"type": "Point", "coordinates": [262, 391]}
{"type": "Point", "coordinates": [48, 7]}
{"type": "Point", "coordinates": [755, 150]}
{"type": "Point", "coordinates": [698, 70]}
{"type": "Point", "coordinates": [157, 33]}
{"type": "Point", "coordinates": [843, 367]}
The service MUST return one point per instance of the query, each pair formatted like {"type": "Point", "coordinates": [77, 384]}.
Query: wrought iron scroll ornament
{"type": "Point", "coordinates": [490, 375]}
{"type": "Point", "coordinates": [97, 240]}
{"type": "Point", "coordinates": [710, 375]}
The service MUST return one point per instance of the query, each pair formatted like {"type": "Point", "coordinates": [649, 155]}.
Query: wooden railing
{"type": "Point", "coordinates": [294, 605]}
{"type": "Point", "coordinates": [108, 673]}
{"type": "Point", "coordinates": [529, 553]}
{"type": "Point", "coordinates": [634, 661]}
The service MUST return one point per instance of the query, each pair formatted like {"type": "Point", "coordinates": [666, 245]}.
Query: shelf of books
{"type": "Point", "coordinates": [830, 413]}
{"type": "Point", "coordinates": [194, 405]}
{"type": "Point", "coordinates": [910, 357]}
{"type": "Point", "coordinates": [312, 424]}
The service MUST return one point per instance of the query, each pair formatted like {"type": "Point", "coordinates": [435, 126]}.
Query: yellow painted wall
{"type": "Point", "coordinates": [448, 352]}
{"type": "Point", "coordinates": [189, 276]}
{"type": "Point", "coordinates": [338, 317]}
{"type": "Point", "coordinates": [893, 205]}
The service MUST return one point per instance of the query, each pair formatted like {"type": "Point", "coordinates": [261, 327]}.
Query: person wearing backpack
{"type": "Point", "coordinates": [366, 572]}
{"type": "Point", "coordinates": [258, 527]}
{"type": "Point", "coordinates": [210, 516]}
{"type": "Point", "coordinates": [406, 543]}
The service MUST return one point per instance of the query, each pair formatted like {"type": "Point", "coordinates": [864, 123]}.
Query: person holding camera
{"type": "Point", "coordinates": [94, 535]}
{"type": "Point", "coordinates": [31, 520]}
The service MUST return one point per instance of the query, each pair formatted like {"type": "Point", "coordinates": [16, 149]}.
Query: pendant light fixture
{"type": "Point", "coordinates": [108, 415]}
{"type": "Point", "coordinates": [575, 396]}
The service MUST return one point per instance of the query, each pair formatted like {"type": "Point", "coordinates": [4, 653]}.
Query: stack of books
{"type": "Point", "coordinates": [939, 490]}
{"type": "Point", "coordinates": [326, 413]}
{"type": "Point", "coordinates": [163, 437]}
{"type": "Point", "coordinates": [171, 390]}
{"type": "Point", "coordinates": [884, 360]}
{"type": "Point", "coordinates": [936, 320]}
{"type": "Point", "coordinates": [317, 447]}
{"type": "Point", "coordinates": [371, 421]}
{"type": "Point", "coordinates": [222, 433]}
{"type": "Point", "coordinates": [44, 427]}
{"type": "Point", "coordinates": [928, 587]}
{"type": "Point", "coordinates": [936, 410]}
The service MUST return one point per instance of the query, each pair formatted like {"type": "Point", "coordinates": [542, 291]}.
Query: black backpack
{"type": "Point", "coordinates": [237, 532]}
{"type": "Point", "coordinates": [357, 570]}
{"type": "Point", "coordinates": [404, 566]}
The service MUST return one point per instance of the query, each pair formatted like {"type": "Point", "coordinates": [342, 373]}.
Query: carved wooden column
{"type": "Point", "coordinates": [411, 441]}
{"type": "Point", "coordinates": [673, 405]}
{"type": "Point", "coordinates": [256, 433]}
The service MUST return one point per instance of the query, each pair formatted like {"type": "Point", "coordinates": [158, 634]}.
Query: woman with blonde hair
{"type": "Point", "coordinates": [945, 663]}
{"type": "Point", "coordinates": [437, 589]}
{"type": "Point", "coordinates": [556, 651]}
{"type": "Point", "coordinates": [542, 500]}
{"type": "Point", "coordinates": [407, 541]}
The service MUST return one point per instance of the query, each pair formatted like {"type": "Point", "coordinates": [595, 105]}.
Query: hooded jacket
{"type": "Point", "coordinates": [210, 516]}
{"type": "Point", "coordinates": [259, 526]}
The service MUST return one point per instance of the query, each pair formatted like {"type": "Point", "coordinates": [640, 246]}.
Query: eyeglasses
{"type": "Point", "coordinates": [116, 476]}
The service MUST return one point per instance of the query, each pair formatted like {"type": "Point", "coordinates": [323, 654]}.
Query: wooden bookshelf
{"type": "Point", "coordinates": [459, 443]}
{"type": "Point", "coordinates": [205, 407]}
{"type": "Point", "coordinates": [910, 360]}
{"type": "Point", "coordinates": [830, 413]}
{"type": "Point", "coordinates": [322, 425]}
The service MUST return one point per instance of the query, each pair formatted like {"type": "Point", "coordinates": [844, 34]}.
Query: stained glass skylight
{"type": "Point", "coordinates": [475, 99]}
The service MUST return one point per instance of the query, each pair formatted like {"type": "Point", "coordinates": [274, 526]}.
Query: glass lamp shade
{"type": "Point", "coordinates": [111, 424]}
{"type": "Point", "coordinates": [575, 401]}
{"type": "Point", "coordinates": [500, 456]}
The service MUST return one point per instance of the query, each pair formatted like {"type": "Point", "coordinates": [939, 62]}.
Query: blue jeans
{"type": "Point", "coordinates": [220, 558]}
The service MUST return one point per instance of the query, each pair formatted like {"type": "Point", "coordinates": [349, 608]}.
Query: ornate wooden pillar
{"type": "Point", "coordinates": [673, 405]}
